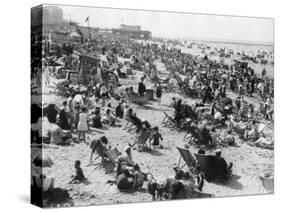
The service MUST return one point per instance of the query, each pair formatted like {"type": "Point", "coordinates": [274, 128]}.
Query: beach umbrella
{"type": "Point", "coordinates": [43, 160]}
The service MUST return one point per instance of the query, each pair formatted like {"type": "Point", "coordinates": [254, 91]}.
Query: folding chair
{"type": "Point", "coordinates": [207, 165]}
{"type": "Point", "coordinates": [142, 139]}
{"type": "Point", "coordinates": [63, 91]}
{"type": "Point", "coordinates": [168, 119]}
{"type": "Point", "coordinates": [188, 158]}
{"type": "Point", "coordinates": [112, 155]}
{"type": "Point", "coordinates": [134, 125]}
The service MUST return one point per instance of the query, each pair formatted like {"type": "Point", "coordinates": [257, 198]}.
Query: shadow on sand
{"type": "Point", "coordinates": [231, 183]}
{"type": "Point", "coordinates": [154, 152]}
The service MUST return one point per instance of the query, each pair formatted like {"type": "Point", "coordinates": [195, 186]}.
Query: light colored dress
{"type": "Point", "coordinates": [82, 124]}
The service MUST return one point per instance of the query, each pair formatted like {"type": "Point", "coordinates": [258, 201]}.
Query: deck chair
{"type": "Point", "coordinates": [142, 139]}
{"type": "Point", "coordinates": [207, 165]}
{"type": "Point", "coordinates": [112, 155]}
{"type": "Point", "coordinates": [168, 120]}
{"type": "Point", "coordinates": [61, 90]}
{"type": "Point", "coordinates": [134, 125]}
{"type": "Point", "coordinates": [268, 184]}
{"type": "Point", "coordinates": [188, 158]}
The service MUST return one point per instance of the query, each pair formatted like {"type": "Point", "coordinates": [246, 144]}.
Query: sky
{"type": "Point", "coordinates": [178, 25]}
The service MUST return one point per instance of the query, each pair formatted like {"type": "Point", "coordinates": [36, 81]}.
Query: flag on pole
{"type": "Point", "coordinates": [87, 19]}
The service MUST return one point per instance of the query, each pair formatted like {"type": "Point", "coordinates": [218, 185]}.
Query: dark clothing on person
{"type": "Point", "coordinates": [174, 188]}
{"type": "Point", "coordinates": [97, 93]}
{"type": "Point", "coordinates": [63, 120]}
{"type": "Point", "coordinates": [96, 122]}
{"type": "Point", "coordinates": [52, 114]}
{"type": "Point", "coordinates": [123, 182]}
{"type": "Point", "coordinates": [36, 113]}
{"type": "Point", "coordinates": [119, 112]}
{"type": "Point", "coordinates": [141, 89]}
{"type": "Point", "coordinates": [205, 137]}
{"type": "Point", "coordinates": [207, 94]}
{"type": "Point", "coordinates": [158, 92]}
{"type": "Point", "coordinates": [137, 122]}
{"type": "Point", "coordinates": [156, 137]}
{"type": "Point", "coordinates": [222, 169]}
{"type": "Point", "coordinates": [79, 174]}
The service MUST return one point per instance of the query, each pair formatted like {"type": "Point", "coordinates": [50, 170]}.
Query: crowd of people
{"type": "Point", "coordinates": [100, 104]}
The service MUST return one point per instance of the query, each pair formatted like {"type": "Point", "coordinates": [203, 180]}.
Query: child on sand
{"type": "Point", "coordinates": [156, 136]}
{"type": "Point", "coordinates": [79, 173]}
{"type": "Point", "coordinates": [83, 124]}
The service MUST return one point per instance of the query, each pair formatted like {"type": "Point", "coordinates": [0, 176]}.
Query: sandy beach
{"type": "Point", "coordinates": [249, 162]}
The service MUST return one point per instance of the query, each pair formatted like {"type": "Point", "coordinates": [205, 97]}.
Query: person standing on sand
{"type": "Point", "coordinates": [159, 93]}
{"type": "Point", "coordinates": [69, 110]}
{"type": "Point", "coordinates": [47, 75]}
{"type": "Point", "coordinates": [141, 88]}
{"type": "Point", "coordinates": [83, 124]}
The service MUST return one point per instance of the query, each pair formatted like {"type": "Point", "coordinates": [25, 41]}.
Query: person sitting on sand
{"type": "Point", "coordinates": [222, 169]}
{"type": "Point", "coordinates": [229, 138]}
{"type": "Point", "coordinates": [79, 173]}
{"type": "Point", "coordinates": [51, 113]}
{"type": "Point", "coordinates": [137, 121]}
{"type": "Point", "coordinates": [138, 177]}
{"type": "Point", "coordinates": [109, 118]}
{"type": "Point", "coordinates": [99, 146]}
{"type": "Point", "coordinates": [215, 136]}
{"type": "Point", "coordinates": [173, 189]}
{"type": "Point", "coordinates": [58, 136]}
{"type": "Point", "coordinates": [125, 180]}
{"type": "Point", "coordinates": [156, 136]}
{"type": "Point", "coordinates": [253, 133]}
{"type": "Point", "coordinates": [95, 119]}
{"type": "Point", "coordinates": [205, 137]}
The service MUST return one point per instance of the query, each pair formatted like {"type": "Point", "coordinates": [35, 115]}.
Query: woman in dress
{"type": "Point", "coordinates": [83, 124]}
